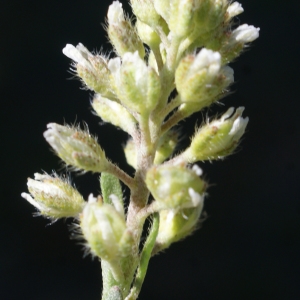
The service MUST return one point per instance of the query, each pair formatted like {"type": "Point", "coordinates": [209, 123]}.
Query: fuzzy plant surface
{"type": "Point", "coordinates": [169, 62]}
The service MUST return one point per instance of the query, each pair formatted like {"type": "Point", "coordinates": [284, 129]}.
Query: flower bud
{"type": "Point", "coordinates": [104, 229]}
{"type": "Point", "coordinates": [137, 85]}
{"type": "Point", "coordinates": [176, 224]}
{"type": "Point", "coordinates": [110, 111]}
{"type": "Point", "coordinates": [234, 42]}
{"type": "Point", "coordinates": [200, 78]}
{"type": "Point", "coordinates": [121, 32]}
{"type": "Point", "coordinates": [130, 153]}
{"type": "Point", "coordinates": [53, 197]}
{"type": "Point", "coordinates": [218, 138]}
{"type": "Point", "coordinates": [209, 15]}
{"type": "Point", "coordinates": [171, 187]}
{"type": "Point", "coordinates": [165, 148]}
{"type": "Point", "coordinates": [92, 69]}
{"type": "Point", "coordinates": [233, 10]}
{"type": "Point", "coordinates": [76, 147]}
{"type": "Point", "coordinates": [181, 20]}
{"type": "Point", "coordinates": [163, 8]}
{"type": "Point", "coordinates": [148, 35]}
{"type": "Point", "coordinates": [145, 12]}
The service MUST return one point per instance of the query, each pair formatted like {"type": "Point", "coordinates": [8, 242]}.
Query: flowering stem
{"type": "Point", "coordinates": [144, 260]}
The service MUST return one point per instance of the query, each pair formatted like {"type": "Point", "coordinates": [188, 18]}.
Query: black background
{"type": "Point", "coordinates": [249, 246]}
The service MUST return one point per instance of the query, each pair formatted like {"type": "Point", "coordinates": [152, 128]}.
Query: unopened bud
{"type": "Point", "coordinates": [145, 12]}
{"type": "Point", "coordinates": [166, 146]}
{"type": "Point", "coordinates": [147, 34]}
{"type": "Point", "coordinates": [130, 153]}
{"type": "Point", "coordinates": [175, 225]}
{"type": "Point", "coordinates": [137, 85]}
{"type": "Point", "coordinates": [76, 147]}
{"type": "Point", "coordinates": [163, 8]}
{"type": "Point", "coordinates": [110, 111]}
{"type": "Point", "coordinates": [104, 229]}
{"type": "Point", "coordinates": [200, 79]}
{"type": "Point", "coordinates": [181, 21]}
{"type": "Point", "coordinates": [218, 138]}
{"type": "Point", "coordinates": [92, 69]}
{"type": "Point", "coordinates": [234, 42]}
{"type": "Point", "coordinates": [54, 197]}
{"type": "Point", "coordinates": [171, 187]}
{"type": "Point", "coordinates": [121, 32]}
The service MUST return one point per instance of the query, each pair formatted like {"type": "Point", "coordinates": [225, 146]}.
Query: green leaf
{"type": "Point", "coordinates": [110, 185]}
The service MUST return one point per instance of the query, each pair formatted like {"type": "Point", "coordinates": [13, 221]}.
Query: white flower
{"type": "Point", "coordinates": [245, 34]}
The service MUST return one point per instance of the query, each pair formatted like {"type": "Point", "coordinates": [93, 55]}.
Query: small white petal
{"type": "Point", "coordinates": [114, 64]}
{"type": "Point", "coordinates": [207, 59]}
{"type": "Point", "coordinates": [117, 204]}
{"type": "Point", "coordinates": [234, 9]}
{"type": "Point", "coordinates": [195, 197]}
{"type": "Point", "coordinates": [238, 127]}
{"type": "Point", "coordinates": [115, 13]}
{"type": "Point", "coordinates": [197, 170]}
{"type": "Point", "coordinates": [92, 199]}
{"type": "Point", "coordinates": [78, 54]}
{"type": "Point", "coordinates": [245, 33]}
{"type": "Point", "coordinates": [228, 114]}
{"type": "Point", "coordinates": [36, 204]}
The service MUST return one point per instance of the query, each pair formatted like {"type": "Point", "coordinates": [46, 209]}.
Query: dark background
{"type": "Point", "coordinates": [249, 246]}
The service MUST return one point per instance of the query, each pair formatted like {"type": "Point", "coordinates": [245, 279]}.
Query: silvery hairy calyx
{"type": "Point", "coordinates": [169, 61]}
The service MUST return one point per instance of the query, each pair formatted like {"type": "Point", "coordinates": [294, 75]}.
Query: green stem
{"type": "Point", "coordinates": [170, 107]}
{"type": "Point", "coordinates": [119, 173]}
{"type": "Point", "coordinates": [145, 257]}
{"type": "Point", "coordinates": [172, 121]}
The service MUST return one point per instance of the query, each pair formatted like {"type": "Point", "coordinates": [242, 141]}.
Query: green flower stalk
{"type": "Point", "coordinates": [170, 62]}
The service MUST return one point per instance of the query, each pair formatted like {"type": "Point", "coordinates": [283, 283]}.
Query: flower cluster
{"type": "Point", "coordinates": [169, 63]}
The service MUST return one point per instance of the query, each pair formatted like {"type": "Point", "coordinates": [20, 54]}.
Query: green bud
{"type": "Point", "coordinates": [148, 35]}
{"type": "Point", "coordinates": [137, 85]}
{"type": "Point", "coordinates": [175, 187]}
{"type": "Point", "coordinates": [234, 42]}
{"type": "Point", "coordinates": [218, 138]}
{"type": "Point", "coordinates": [200, 79]}
{"type": "Point", "coordinates": [181, 21]}
{"type": "Point", "coordinates": [175, 225]}
{"type": "Point", "coordinates": [166, 146]}
{"type": "Point", "coordinates": [92, 69]}
{"type": "Point", "coordinates": [54, 197]}
{"type": "Point", "coordinates": [76, 147]}
{"type": "Point", "coordinates": [104, 229]}
{"type": "Point", "coordinates": [209, 14]}
{"type": "Point", "coordinates": [122, 33]}
{"type": "Point", "coordinates": [110, 111]}
{"type": "Point", "coordinates": [130, 153]}
{"type": "Point", "coordinates": [145, 12]}
{"type": "Point", "coordinates": [163, 8]}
